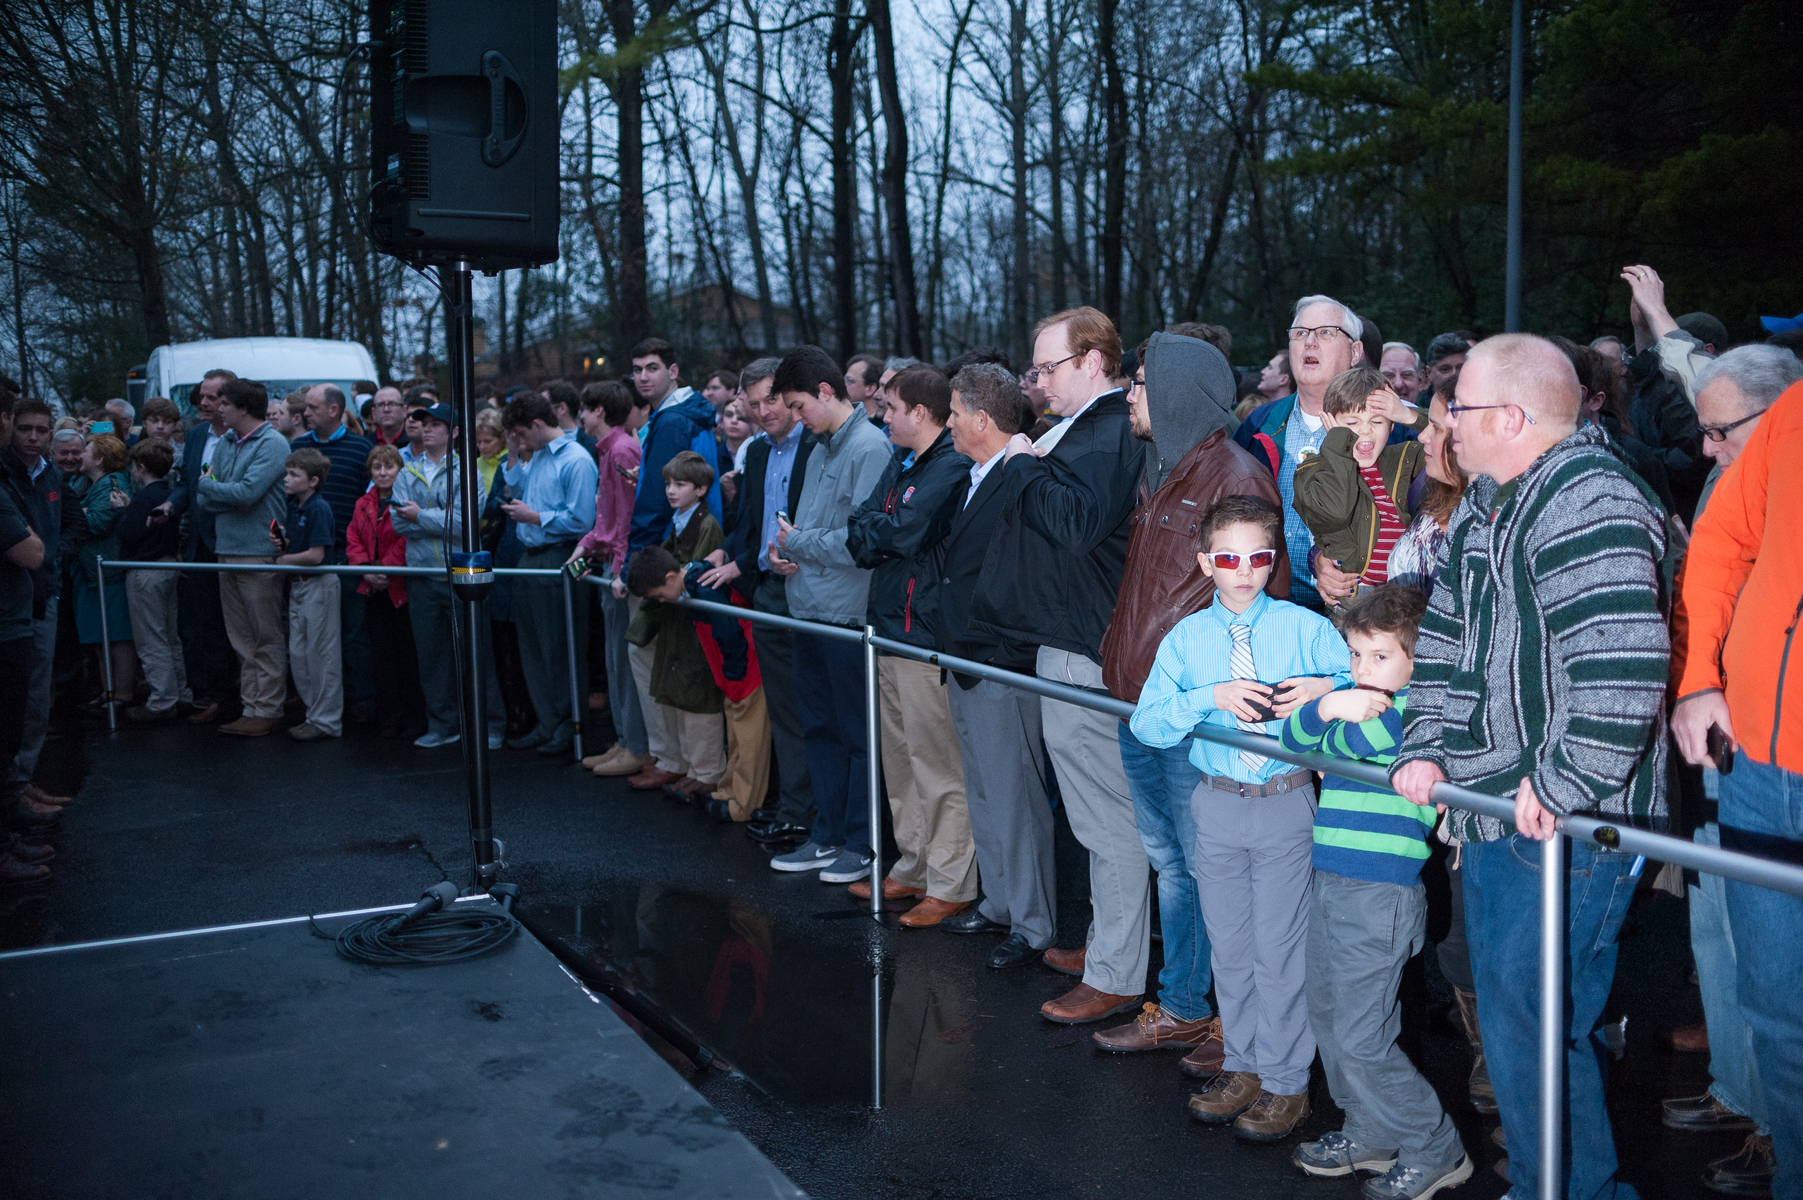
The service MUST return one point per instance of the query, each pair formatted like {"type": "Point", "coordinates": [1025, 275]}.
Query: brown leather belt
{"type": "Point", "coordinates": [1295, 781]}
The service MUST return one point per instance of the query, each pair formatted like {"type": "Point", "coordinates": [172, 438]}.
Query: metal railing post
{"type": "Point", "coordinates": [874, 764]}
{"type": "Point", "coordinates": [106, 649]}
{"type": "Point", "coordinates": [578, 702]}
{"type": "Point", "coordinates": [1553, 1021]}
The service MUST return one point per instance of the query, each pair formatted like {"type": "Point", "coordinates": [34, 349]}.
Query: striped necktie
{"type": "Point", "coordinates": [1241, 665]}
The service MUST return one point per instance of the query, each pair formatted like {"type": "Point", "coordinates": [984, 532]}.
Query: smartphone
{"type": "Point", "coordinates": [624, 473]}
{"type": "Point", "coordinates": [576, 568]}
{"type": "Point", "coordinates": [1715, 744]}
{"type": "Point", "coordinates": [275, 529]}
{"type": "Point", "coordinates": [782, 514]}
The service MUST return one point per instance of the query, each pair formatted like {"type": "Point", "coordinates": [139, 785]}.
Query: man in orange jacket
{"type": "Point", "coordinates": [1743, 593]}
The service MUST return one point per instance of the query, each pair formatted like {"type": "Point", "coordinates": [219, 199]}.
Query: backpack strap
{"type": "Point", "coordinates": [1272, 455]}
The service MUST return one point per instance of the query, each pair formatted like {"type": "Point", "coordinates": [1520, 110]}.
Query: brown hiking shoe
{"type": "Point", "coordinates": [1209, 1055]}
{"type": "Point", "coordinates": [1271, 1117]}
{"type": "Point", "coordinates": [1153, 1029]}
{"type": "Point", "coordinates": [1231, 1094]}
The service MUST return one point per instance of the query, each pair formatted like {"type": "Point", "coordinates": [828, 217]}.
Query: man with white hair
{"type": "Point", "coordinates": [1540, 676]}
{"type": "Point", "coordinates": [1323, 341]}
{"type": "Point", "coordinates": [1402, 367]}
{"type": "Point", "coordinates": [1734, 393]}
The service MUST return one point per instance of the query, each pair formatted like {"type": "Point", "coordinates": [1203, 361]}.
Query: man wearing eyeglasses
{"type": "Point", "coordinates": [1323, 341]}
{"type": "Point", "coordinates": [1540, 676]}
{"type": "Point", "coordinates": [388, 418]}
{"type": "Point", "coordinates": [1050, 578]}
{"type": "Point", "coordinates": [1735, 393]}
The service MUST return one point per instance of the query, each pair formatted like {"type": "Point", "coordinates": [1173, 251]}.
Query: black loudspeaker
{"type": "Point", "coordinates": [463, 131]}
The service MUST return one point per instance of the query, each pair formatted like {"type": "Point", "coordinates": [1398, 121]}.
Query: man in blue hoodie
{"type": "Point", "coordinates": [678, 416]}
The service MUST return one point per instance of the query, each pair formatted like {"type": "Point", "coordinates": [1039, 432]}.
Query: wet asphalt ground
{"type": "Point", "coordinates": [812, 1005]}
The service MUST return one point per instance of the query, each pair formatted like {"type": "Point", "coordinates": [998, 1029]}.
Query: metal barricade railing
{"type": "Point", "coordinates": [578, 702]}
{"type": "Point", "coordinates": [1711, 860]}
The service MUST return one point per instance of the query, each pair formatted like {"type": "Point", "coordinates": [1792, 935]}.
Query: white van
{"type": "Point", "coordinates": [280, 364]}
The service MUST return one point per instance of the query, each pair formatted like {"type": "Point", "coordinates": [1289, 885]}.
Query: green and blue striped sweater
{"type": "Point", "coordinates": [1362, 831]}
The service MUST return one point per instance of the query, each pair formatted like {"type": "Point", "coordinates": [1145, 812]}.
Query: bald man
{"type": "Point", "coordinates": [1552, 597]}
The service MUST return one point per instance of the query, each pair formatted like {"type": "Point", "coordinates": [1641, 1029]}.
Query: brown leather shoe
{"type": "Point", "coordinates": [1231, 1094]}
{"type": "Point", "coordinates": [1272, 1117]}
{"type": "Point", "coordinates": [651, 779]}
{"type": "Point", "coordinates": [249, 727]}
{"type": "Point", "coordinates": [1154, 1029]}
{"type": "Point", "coordinates": [1066, 962]}
{"type": "Point", "coordinates": [17, 873]}
{"type": "Point", "coordinates": [1691, 1039]}
{"type": "Point", "coordinates": [1083, 1004]}
{"type": "Point", "coordinates": [931, 911]}
{"type": "Point", "coordinates": [38, 795]}
{"type": "Point", "coordinates": [205, 715]}
{"type": "Point", "coordinates": [891, 891]}
{"type": "Point", "coordinates": [1209, 1055]}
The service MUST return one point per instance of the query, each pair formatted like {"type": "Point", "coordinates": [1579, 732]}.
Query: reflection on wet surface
{"type": "Point", "coordinates": [807, 1019]}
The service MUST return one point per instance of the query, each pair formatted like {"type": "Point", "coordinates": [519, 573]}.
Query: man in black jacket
{"type": "Point", "coordinates": [1051, 577]}
{"type": "Point", "coordinates": [999, 729]}
{"type": "Point", "coordinates": [900, 532]}
{"type": "Point", "coordinates": [771, 484]}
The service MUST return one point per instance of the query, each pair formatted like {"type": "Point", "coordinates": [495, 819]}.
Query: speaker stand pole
{"type": "Point", "coordinates": [460, 336]}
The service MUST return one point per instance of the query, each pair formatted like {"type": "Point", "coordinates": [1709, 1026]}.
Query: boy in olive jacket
{"type": "Point", "coordinates": [1357, 495]}
{"type": "Point", "coordinates": [682, 683]}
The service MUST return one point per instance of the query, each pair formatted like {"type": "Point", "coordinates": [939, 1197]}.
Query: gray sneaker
{"type": "Point", "coordinates": [1413, 1183]}
{"type": "Point", "coordinates": [809, 858]}
{"type": "Point", "coordinates": [1336, 1154]}
{"type": "Point", "coordinates": [849, 867]}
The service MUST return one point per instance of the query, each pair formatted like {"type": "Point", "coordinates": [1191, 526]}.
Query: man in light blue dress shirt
{"type": "Point", "coordinates": [552, 501]}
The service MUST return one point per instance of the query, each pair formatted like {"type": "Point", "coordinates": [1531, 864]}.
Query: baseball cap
{"type": "Point", "coordinates": [1782, 324]}
{"type": "Point", "coordinates": [435, 412]}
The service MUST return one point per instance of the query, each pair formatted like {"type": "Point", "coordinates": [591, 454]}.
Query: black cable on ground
{"type": "Point", "coordinates": [424, 938]}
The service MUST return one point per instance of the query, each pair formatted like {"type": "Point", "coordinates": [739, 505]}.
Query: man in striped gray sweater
{"type": "Point", "coordinates": [1540, 673]}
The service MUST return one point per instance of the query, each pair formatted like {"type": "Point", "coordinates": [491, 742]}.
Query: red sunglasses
{"type": "Point", "coordinates": [1228, 561]}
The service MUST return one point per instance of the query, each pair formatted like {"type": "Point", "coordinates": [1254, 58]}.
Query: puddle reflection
{"type": "Point", "coordinates": [824, 1018]}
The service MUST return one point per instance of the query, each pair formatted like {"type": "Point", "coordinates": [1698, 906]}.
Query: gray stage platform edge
{"type": "Point", "coordinates": [254, 1062]}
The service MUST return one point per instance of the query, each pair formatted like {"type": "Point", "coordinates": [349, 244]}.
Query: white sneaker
{"type": "Point", "coordinates": [432, 741]}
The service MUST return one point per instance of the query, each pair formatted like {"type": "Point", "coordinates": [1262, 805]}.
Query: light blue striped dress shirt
{"type": "Point", "coordinates": [1287, 640]}
{"type": "Point", "coordinates": [559, 485]}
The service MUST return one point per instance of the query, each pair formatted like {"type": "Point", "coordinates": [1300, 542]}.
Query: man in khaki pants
{"type": "Point", "coordinates": [900, 530]}
{"type": "Point", "coordinates": [243, 486]}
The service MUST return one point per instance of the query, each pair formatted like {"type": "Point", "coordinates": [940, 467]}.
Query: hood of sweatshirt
{"type": "Point", "coordinates": [1189, 395]}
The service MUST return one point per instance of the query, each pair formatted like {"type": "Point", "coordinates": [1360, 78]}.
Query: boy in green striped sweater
{"type": "Point", "coordinates": [1369, 917]}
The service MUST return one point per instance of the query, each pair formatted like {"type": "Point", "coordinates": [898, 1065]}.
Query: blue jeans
{"type": "Point", "coordinates": [1762, 813]}
{"type": "Point", "coordinates": [1162, 782]}
{"type": "Point", "coordinates": [1733, 1071]}
{"type": "Point", "coordinates": [829, 690]}
{"type": "Point", "coordinates": [1502, 907]}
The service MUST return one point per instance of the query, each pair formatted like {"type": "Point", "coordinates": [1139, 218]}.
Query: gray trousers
{"type": "Point", "coordinates": [430, 606]}
{"type": "Point", "coordinates": [315, 654]}
{"type": "Point", "coordinates": [1086, 752]}
{"type": "Point", "coordinates": [1253, 875]}
{"type": "Point", "coordinates": [37, 701]}
{"type": "Point", "coordinates": [1010, 813]}
{"type": "Point", "coordinates": [622, 692]}
{"type": "Point", "coordinates": [1360, 936]}
{"type": "Point", "coordinates": [776, 665]}
{"type": "Point", "coordinates": [544, 645]}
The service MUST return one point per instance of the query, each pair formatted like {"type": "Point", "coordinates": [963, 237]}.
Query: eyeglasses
{"type": "Point", "coordinates": [1228, 561]}
{"type": "Point", "coordinates": [1137, 383]}
{"type": "Point", "coordinates": [1719, 433]}
{"type": "Point", "coordinates": [1453, 410]}
{"type": "Point", "coordinates": [1032, 376]}
{"type": "Point", "coordinates": [1326, 335]}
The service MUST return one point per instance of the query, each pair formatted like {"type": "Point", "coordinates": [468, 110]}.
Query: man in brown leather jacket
{"type": "Point", "coordinates": [1181, 402]}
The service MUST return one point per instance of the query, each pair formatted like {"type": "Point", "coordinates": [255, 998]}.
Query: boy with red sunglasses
{"type": "Point", "coordinates": [1254, 816]}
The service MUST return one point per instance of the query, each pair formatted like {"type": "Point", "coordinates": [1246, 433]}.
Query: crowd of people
{"type": "Point", "coordinates": [1518, 564]}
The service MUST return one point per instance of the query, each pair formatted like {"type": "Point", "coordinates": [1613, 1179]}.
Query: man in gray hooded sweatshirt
{"type": "Point", "coordinates": [1182, 402]}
